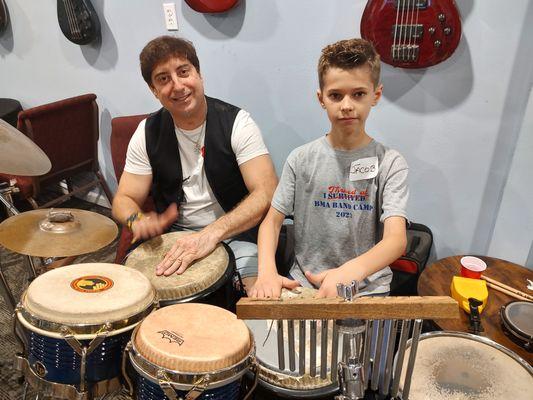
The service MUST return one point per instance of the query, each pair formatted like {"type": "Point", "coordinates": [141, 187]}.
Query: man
{"type": "Point", "coordinates": [204, 162]}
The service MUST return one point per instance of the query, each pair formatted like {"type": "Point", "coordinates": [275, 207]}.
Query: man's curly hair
{"type": "Point", "coordinates": [349, 54]}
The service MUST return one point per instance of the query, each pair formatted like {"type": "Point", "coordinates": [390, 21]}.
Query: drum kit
{"type": "Point", "coordinates": [44, 233]}
{"type": "Point", "coordinates": [87, 331]}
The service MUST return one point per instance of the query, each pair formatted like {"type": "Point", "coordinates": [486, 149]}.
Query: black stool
{"type": "Point", "coordinates": [9, 110]}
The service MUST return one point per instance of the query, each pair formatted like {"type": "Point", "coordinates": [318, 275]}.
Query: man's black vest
{"type": "Point", "coordinates": [220, 163]}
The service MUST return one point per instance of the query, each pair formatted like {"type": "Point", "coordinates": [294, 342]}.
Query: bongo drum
{"type": "Point", "coordinates": [461, 366]}
{"type": "Point", "coordinates": [297, 359]}
{"type": "Point", "coordinates": [189, 349]}
{"type": "Point", "coordinates": [517, 322]}
{"type": "Point", "coordinates": [76, 321]}
{"type": "Point", "coordinates": [207, 280]}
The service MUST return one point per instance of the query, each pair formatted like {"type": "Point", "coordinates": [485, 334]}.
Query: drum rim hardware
{"type": "Point", "coordinates": [63, 390]}
{"type": "Point", "coordinates": [32, 321]}
{"type": "Point", "coordinates": [525, 338]}
{"type": "Point", "coordinates": [185, 380]}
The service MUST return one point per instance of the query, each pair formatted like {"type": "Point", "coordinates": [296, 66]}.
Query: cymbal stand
{"type": "Point", "coordinates": [6, 190]}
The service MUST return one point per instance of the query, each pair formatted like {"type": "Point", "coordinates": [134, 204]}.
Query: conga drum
{"type": "Point", "coordinates": [297, 359]}
{"type": "Point", "coordinates": [76, 321]}
{"type": "Point", "coordinates": [208, 280]}
{"type": "Point", "coordinates": [460, 366]}
{"type": "Point", "coordinates": [189, 349]}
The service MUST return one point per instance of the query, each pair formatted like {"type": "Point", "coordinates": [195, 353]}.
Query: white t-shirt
{"type": "Point", "coordinates": [200, 207]}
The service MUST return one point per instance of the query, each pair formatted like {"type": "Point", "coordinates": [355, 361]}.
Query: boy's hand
{"type": "Point", "coordinates": [269, 286]}
{"type": "Point", "coordinates": [327, 281]}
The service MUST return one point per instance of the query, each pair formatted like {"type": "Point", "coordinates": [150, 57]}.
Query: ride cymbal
{"type": "Point", "coordinates": [20, 156]}
{"type": "Point", "coordinates": [59, 232]}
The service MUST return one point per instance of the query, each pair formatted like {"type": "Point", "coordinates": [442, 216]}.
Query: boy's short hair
{"type": "Point", "coordinates": [348, 54]}
{"type": "Point", "coordinates": [162, 49]}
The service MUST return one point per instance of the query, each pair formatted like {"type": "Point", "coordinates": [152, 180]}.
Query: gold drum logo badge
{"type": "Point", "coordinates": [91, 284]}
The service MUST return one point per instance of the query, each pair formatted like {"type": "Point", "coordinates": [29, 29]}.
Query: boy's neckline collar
{"type": "Point", "coordinates": [347, 151]}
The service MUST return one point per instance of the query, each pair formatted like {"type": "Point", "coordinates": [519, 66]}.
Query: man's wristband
{"type": "Point", "coordinates": [132, 218]}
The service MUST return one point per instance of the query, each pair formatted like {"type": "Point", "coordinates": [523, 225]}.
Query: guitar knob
{"type": "Point", "coordinates": [441, 17]}
{"type": "Point", "coordinates": [447, 30]}
{"type": "Point", "coordinates": [437, 43]}
{"type": "Point", "coordinates": [431, 30]}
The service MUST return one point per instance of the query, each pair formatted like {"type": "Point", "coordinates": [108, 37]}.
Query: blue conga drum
{"type": "Point", "coordinates": [75, 322]}
{"type": "Point", "coordinates": [190, 349]}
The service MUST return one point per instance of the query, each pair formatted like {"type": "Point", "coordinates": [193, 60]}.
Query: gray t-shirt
{"type": "Point", "coordinates": [339, 200]}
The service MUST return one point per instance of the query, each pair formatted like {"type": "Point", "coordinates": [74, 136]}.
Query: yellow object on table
{"type": "Point", "coordinates": [464, 288]}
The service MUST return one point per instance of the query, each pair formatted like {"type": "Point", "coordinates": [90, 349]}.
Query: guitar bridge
{"type": "Point", "coordinates": [405, 52]}
{"type": "Point", "coordinates": [411, 5]}
{"type": "Point", "coordinates": [407, 32]}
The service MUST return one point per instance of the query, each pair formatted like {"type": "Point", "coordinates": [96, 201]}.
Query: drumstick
{"type": "Point", "coordinates": [509, 288]}
{"type": "Point", "coordinates": [507, 292]}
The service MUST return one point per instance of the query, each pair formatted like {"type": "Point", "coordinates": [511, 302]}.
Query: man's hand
{"type": "Point", "coordinates": [153, 224]}
{"type": "Point", "coordinates": [269, 286]}
{"type": "Point", "coordinates": [327, 281]}
{"type": "Point", "coordinates": [185, 251]}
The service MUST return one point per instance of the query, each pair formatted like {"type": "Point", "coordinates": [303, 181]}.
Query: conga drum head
{"type": "Point", "coordinates": [199, 276]}
{"type": "Point", "coordinates": [87, 295]}
{"type": "Point", "coordinates": [517, 319]}
{"type": "Point", "coordinates": [460, 366]}
{"type": "Point", "coordinates": [194, 339]}
{"type": "Point", "coordinates": [293, 380]}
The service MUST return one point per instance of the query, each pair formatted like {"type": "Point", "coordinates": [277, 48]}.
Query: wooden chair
{"type": "Point", "coordinates": [67, 131]}
{"type": "Point", "coordinates": [122, 129]}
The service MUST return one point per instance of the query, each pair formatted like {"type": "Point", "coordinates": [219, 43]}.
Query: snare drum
{"type": "Point", "coordinates": [301, 369]}
{"type": "Point", "coordinates": [190, 347]}
{"type": "Point", "coordinates": [517, 321]}
{"type": "Point", "coordinates": [460, 366]}
{"type": "Point", "coordinates": [76, 321]}
{"type": "Point", "coordinates": [207, 280]}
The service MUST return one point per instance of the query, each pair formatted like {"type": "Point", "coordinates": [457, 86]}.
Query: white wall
{"type": "Point", "coordinates": [457, 123]}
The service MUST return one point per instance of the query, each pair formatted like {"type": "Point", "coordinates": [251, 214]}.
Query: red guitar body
{"type": "Point", "coordinates": [211, 6]}
{"type": "Point", "coordinates": [412, 33]}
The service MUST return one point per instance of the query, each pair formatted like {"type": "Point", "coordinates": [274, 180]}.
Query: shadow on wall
{"type": "Point", "coordinates": [228, 25]}
{"type": "Point", "coordinates": [441, 87]}
{"type": "Point", "coordinates": [102, 54]}
{"type": "Point", "coordinates": [216, 26]}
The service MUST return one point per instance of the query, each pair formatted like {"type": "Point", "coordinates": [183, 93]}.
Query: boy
{"type": "Point", "coordinates": [347, 192]}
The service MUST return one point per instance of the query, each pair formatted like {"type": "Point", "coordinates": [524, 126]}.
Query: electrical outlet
{"type": "Point", "coordinates": [171, 20]}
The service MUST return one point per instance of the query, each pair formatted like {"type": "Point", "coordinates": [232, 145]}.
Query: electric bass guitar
{"type": "Point", "coordinates": [3, 16]}
{"type": "Point", "coordinates": [78, 21]}
{"type": "Point", "coordinates": [211, 6]}
{"type": "Point", "coordinates": [412, 33]}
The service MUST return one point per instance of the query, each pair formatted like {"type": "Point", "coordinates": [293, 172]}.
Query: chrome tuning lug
{"type": "Point", "coordinates": [351, 380]}
{"type": "Point", "coordinates": [348, 292]}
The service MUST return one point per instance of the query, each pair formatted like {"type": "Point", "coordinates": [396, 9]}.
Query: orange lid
{"type": "Point", "coordinates": [193, 338]}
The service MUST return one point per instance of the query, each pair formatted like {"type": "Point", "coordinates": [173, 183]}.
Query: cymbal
{"type": "Point", "coordinates": [20, 156]}
{"type": "Point", "coordinates": [59, 232]}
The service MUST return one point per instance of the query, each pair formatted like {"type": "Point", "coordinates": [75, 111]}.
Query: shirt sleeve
{"type": "Point", "coordinates": [246, 139]}
{"type": "Point", "coordinates": [137, 161]}
{"type": "Point", "coordinates": [396, 189]}
{"type": "Point", "coordinates": [283, 199]}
